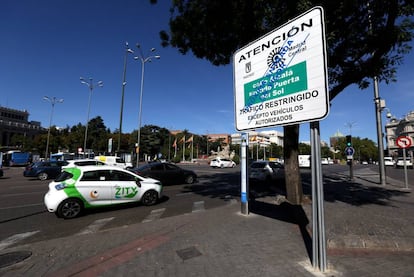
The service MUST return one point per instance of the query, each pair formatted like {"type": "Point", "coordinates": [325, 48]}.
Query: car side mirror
{"type": "Point", "coordinates": [138, 182]}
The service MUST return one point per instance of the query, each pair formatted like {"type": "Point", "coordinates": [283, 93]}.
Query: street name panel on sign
{"type": "Point", "coordinates": [281, 78]}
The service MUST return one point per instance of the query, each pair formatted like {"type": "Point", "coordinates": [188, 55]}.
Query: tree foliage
{"type": "Point", "coordinates": [364, 39]}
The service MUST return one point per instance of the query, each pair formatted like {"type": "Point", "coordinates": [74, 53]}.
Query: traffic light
{"type": "Point", "coordinates": [348, 141]}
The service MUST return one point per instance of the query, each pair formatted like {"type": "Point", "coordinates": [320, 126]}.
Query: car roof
{"type": "Point", "coordinates": [101, 167]}
{"type": "Point", "coordinates": [81, 160]}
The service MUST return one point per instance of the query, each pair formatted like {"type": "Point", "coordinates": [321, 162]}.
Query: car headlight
{"type": "Point", "coordinates": [60, 186]}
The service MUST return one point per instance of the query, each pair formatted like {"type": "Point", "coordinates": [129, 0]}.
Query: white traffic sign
{"type": "Point", "coordinates": [404, 141]}
{"type": "Point", "coordinates": [281, 78]}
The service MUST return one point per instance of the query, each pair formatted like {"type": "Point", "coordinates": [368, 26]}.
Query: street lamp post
{"type": "Point", "coordinates": [53, 101]}
{"type": "Point", "coordinates": [143, 60]}
{"type": "Point", "coordinates": [91, 86]}
{"type": "Point", "coordinates": [127, 50]}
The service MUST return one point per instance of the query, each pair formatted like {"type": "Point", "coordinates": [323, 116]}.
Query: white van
{"type": "Point", "coordinates": [114, 160]}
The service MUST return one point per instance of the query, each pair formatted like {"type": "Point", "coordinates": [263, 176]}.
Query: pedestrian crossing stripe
{"type": "Point", "coordinates": [15, 239]}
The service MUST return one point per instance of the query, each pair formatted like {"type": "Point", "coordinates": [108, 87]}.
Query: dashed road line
{"type": "Point", "coordinates": [198, 206]}
{"type": "Point", "coordinates": [154, 215]}
{"type": "Point", "coordinates": [95, 226]}
{"type": "Point", "coordinates": [15, 239]}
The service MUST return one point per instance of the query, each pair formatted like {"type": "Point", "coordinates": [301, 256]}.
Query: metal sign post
{"type": "Point", "coordinates": [282, 79]}
{"type": "Point", "coordinates": [404, 142]}
{"type": "Point", "coordinates": [318, 219]}
{"type": "Point", "coordinates": [244, 175]}
{"type": "Point", "coordinates": [349, 152]}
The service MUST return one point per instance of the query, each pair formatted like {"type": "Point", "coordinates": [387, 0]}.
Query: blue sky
{"type": "Point", "coordinates": [46, 46]}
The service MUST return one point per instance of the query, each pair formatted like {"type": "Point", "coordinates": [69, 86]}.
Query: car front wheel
{"type": "Point", "coordinates": [189, 179]}
{"type": "Point", "coordinates": [70, 208]}
{"type": "Point", "coordinates": [149, 198]}
{"type": "Point", "coordinates": [42, 176]}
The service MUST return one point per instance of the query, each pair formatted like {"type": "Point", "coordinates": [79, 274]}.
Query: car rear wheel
{"type": "Point", "coordinates": [149, 198]}
{"type": "Point", "coordinates": [189, 179]}
{"type": "Point", "coordinates": [43, 176]}
{"type": "Point", "coordinates": [70, 208]}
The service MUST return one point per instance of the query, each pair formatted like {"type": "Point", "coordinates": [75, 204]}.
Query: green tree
{"type": "Point", "coordinates": [365, 39]}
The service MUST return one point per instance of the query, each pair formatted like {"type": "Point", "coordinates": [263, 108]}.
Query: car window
{"type": "Point", "coordinates": [119, 160]}
{"type": "Point", "coordinates": [258, 165]}
{"type": "Point", "coordinates": [170, 167]}
{"type": "Point", "coordinates": [116, 175]}
{"type": "Point", "coordinates": [83, 163]}
{"type": "Point", "coordinates": [64, 175]}
{"type": "Point", "coordinates": [157, 167]}
{"type": "Point", "coordinates": [90, 176]}
{"type": "Point", "coordinates": [275, 165]}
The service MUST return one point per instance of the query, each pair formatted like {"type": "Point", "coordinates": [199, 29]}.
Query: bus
{"type": "Point", "coordinates": [62, 156]}
{"type": "Point", "coordinates": [16, 158]}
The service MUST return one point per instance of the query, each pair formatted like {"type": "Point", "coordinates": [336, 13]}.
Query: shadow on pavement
{"type": "Point", "coordinates": [288, 213]}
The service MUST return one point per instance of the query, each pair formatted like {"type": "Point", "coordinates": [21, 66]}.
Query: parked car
{"type": "Point", "coordinates": [44, 169]}
{"type": "Point", "coordinates": [266, 171]}
{"type": "Point", "coordinates": [400, 162]}
{"type": "Point", "coordinates": [222, 162]}
{"type": "Point", "coordinates": [82, 162]}
{"type": "Point", "coordinates": [388, 161]}
{"type": "Point", "coordinates": [167, 173]}
{"type": "Point", "coordinates": [79, 188]}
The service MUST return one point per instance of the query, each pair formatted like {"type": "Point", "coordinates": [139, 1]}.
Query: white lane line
{"type": "Point", "coordinates": [198, 206]}
{"type": "Point", "coordinates": [15, 238]}
{"type": "Point", "coordinates": [155, 214]}
{"type": "Point", "coordinates": [22, 206]}
{"type": "Point", "coordinates": [95, 226]}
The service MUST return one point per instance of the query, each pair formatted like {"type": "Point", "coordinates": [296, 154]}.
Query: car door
{"type": "Point", "coordinates": [278, 170]}
{"type": "Point", "coordinates": [96, 187]}
{"type": "Point", "coordinates": [157, 171]}
{"type": "Point", "coordinates": [125, 187]}
{"type": "Point", "coordinates": [173, 174]}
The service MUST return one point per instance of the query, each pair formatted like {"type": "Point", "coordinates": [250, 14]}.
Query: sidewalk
{"type": "Point", "coordinates": [369, 231]}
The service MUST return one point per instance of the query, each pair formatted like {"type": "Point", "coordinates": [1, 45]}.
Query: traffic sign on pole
{"type": "Point", "coordinates": [404, 142]}
{"type": "Point", "coordinates": [281, 78]}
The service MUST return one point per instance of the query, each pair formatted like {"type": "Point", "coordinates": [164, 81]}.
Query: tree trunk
{"type": "Point", "coordinates": [292, 174]}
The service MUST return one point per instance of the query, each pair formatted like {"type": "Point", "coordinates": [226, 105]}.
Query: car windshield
{"type": "Point", "coordinates": [64, 175]}
{"type": "Point", "coordinates": [258, 165]}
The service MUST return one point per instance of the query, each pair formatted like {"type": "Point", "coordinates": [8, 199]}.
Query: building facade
{"type": "Point", "coordinates": [395, 128]}
{"type": "Point", "coordinates": [15, 122]}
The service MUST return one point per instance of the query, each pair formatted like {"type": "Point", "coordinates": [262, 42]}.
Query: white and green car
{"type": "Point", "coordinates": [79, 188]}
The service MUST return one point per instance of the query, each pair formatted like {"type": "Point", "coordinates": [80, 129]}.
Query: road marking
{"type": "Point", "coordinates": [15, 239]}
{"type": "Point", "coordinates": [198, 206]}
{"type": "Point", "coordinates": [95, 226]}
{"type": "Point", "coordinates": [155, 214]}
{"type": "Point", "coordinates": [22, 206]}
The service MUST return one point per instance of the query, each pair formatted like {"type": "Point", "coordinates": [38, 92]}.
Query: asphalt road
{"type": "Point", "coordinates": [24, 219]}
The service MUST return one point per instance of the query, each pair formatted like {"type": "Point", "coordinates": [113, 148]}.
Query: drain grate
{"type": "Point", "coordinates": [8, 259]}
{"type": "Point", "coordinates": [188, 253]}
